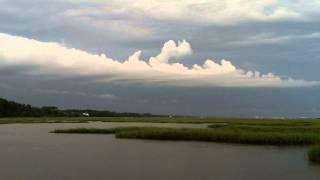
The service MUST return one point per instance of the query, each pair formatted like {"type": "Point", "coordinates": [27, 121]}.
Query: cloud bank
{"type": "Point", "coordinates": [76, 93]}
{"type": "Point", "coordinates": [46, 59]}
{"type": "Point", "coordinates": [203, 11]}
{"type": "Point", "coordinates": [269, 38]}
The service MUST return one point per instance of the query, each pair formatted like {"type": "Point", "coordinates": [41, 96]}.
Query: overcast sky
{"type": "Point", "coordinates": [185, 57]}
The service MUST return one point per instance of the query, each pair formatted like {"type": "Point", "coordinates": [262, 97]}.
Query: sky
{"type": "Point", "coordinates": [184, 57]}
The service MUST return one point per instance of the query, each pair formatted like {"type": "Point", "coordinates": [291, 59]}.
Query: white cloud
{"type": "Point", "coordinates": [268, 38]}
{"type": "Point", "coordinates": [53, 59]}
{"type": "Point", "coordinates": [204, 11]}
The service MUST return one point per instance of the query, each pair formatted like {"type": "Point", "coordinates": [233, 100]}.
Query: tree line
{"type": "Point", "coordinates": [14, 109]}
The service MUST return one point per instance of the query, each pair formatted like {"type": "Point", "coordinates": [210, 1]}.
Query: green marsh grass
{"type": "Point", "coordinates": [227, 130]}
{"type": "Point", "coordinates": [205, 134]}
{"type": "Point", "coordinates": [85, 131]}
{"type": "Point", "coordinates": [314, 154]}
{"type": "Point", "coordinates": [193, 120]}
{"type": "Point", "coordinates": [240, 131]}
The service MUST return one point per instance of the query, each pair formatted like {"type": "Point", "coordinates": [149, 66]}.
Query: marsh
{"type": "Point", "coordinates": [29, 151]}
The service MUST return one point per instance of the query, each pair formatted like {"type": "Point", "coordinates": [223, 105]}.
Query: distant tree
{"type": "Point", "coordinates": [13, 109]}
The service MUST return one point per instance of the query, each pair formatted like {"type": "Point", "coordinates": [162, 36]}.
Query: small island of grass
{"type": "Point", "coordinates": [205, 134]}
{"type": "Point", "coordinates": [314, 154]}
{"type": "Point", "coordinates": [239, 132]}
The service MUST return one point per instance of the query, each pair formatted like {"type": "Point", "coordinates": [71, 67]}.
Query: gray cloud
{"type": "Point", "coordinates": [77, 93]}
{"type": "Point", "coordinates": [208, 11]}
{"type": "Point", "coordinates": [4, 85]}
{"type": "Point", "coordinates": [268, 38]}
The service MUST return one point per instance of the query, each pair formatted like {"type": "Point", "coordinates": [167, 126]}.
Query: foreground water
{"type": "Point", "coordinates": [29, 152]}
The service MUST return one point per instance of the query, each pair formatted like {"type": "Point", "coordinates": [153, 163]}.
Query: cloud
{"type": "Point", "coordinates": [223, 12]}
{"type": "Point", "coordinates": [123, 27]}
{"type": "Point", "coordinates": [44, 15]}
{"type": "Point", "coordinates": [98, 18]}
{"type": "Point", "coordinates": [77, 93]}
{"type": "Point", "coordinates": [268, 38]}
{"type": "Point", "coordinates": [48, 59]}
{"type": "Point", "coordinates": [4, 85]}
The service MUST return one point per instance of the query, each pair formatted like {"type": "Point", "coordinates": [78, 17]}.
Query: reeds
{"type": "Point", "coordinates": [314, 154]}
{"type": "Point", "coordinates": [204, 134]}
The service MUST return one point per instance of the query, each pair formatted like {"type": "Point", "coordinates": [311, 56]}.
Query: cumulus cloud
{"type": "Point", "coordinates": [205, 11]}
{"type": "Point", "coordinates": [54, 59]}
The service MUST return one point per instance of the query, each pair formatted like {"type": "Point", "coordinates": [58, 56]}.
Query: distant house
{"type": "Point", "coordinates": [86, 114]}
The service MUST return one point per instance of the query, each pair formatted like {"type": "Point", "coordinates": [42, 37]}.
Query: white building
{"type": "Point", "coordinates": [86, 114]}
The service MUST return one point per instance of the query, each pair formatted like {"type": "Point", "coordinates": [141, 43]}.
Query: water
{"type": "Point", "coordinates": [29, 152]}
